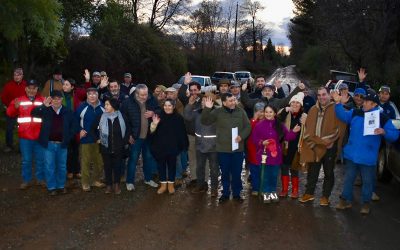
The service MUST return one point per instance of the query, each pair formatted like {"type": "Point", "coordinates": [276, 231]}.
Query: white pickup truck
{"type": "Point", "coordinates": [204, 81]}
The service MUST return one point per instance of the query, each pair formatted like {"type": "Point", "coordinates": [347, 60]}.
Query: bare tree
{"type": "Point", "coordinates": [250, 9]}
{"type": "Point", "coordinates": [164, 11]}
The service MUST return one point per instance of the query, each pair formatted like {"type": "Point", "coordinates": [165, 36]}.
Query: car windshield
{"type": "Point", "coordinates": [194, 79]}
{"type": "Point", "coordinates": [223, 75]}
{"type": "Point", "coordinates": [242, 75]}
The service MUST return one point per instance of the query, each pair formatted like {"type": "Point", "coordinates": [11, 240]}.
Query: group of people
{"type": "Point", "coordinates": [100, 128]}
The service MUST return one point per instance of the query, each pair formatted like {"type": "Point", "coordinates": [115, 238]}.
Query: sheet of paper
{"type": "Point", "coordinates": [235, 133]}
{"type": "Point", "coordinates": [371, 122]}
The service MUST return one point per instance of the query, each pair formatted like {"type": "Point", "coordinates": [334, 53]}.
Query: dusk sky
{"type": "Point", "coordinates": [277, 14]}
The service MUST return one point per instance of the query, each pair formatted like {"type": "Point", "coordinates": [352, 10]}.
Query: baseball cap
{"type": "Point", "coordinates": [235, 85]}
{"type": "Point", "coordinates": [372, 96]}
{"type": "Point", "coordinates": [91, 89]}
{"type": "Point", "coordinates": [384, 88]}
{"type": "Point", "coordinates": [360, 91]}
{"type": "Point", "coordinates": [103, 73]}
{"type": "Point", "coordinates": [128, 75]}
{"type": "Point", "coordinates": [270, 86]}
{"type": "Point", "coordinates": [56, 93]}
{"type": "Point", "coordinates": [343, 86]}
{"type": "Point", "coordinates": [96, 73]}
{"type": "Point", "coordinates": [32, 82]}
{"type": "Point", "coordinates": [170, 89]}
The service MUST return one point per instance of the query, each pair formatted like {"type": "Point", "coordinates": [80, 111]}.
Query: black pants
{"type": "Point", "coordinates": [167, 163]}
{"type": "Point", "coordinates": [328, 163]}
{"type": "Point", "coordinates": [285, 171]}
{"type": "Point", "coordinates": [73, 165]}
{"type": "Point", "coordinates": [112, 167]}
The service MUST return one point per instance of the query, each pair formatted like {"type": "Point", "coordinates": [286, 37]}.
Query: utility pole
{"type": "Point", "coordinates": [235, 39]}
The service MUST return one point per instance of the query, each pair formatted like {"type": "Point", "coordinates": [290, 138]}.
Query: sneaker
{"type": "Point", "coordinates": [343, 204]}
{"type": "Point", "coordinates": [117, 189]}
{"type": "Point", "coordinates": [85, 187]}
{"type": "Point", "coordinates": [130, 187]}
{"type": "Point", "coordinates": [108, 190]}
{"type": "Point", "coordinates": [254, 193]}
{"type": "Point", "coordinates": [267, 198]}
{"type": "Point", "coordinates": [365, 209]}
{"type": "Point", "coordinates": [375, 197]}
{"type": "Point", "coordinates": [274, 197]}
{"type": "Point", "coordinates": [306, 197]}
{"type": "Point", "coordinates": [99, 184]}
{"type": "Point", "coordinates": [24, 186]}
{"type": "Point", "coordinates": [151, 183]}
{"type": "Point", "coordinates": [223, 199]}
{"type": "Point", "coordinates": [63, 191]}
{"type": "Point", "coordinates": [53, 192]}
{"type": "Point", "coordinates": [238, 199]}
{"type": "Point", "coordinates": [199, 189]}
{"type": "Point", "coordinates": [324, 202]}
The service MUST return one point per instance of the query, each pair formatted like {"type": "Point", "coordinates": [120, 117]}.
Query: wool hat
{"type": "Point", "coordinates": [343, 86]}
{"type": "Point", "coordinates": [259, 106]}
{"type": "Point", "coordinates": [299, 97]}
{"type": "Point", "coordinates": [235, 85]}
{"type": "Point", "coordinates": [170, 89]}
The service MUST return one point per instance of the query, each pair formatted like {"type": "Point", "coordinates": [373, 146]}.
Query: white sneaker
{"type": "Point", "coordinates": [130, 187]}
{"type": "Point", "coordinates": [151, 183]}
{"type": "Point", "coordinates": [375, 197]}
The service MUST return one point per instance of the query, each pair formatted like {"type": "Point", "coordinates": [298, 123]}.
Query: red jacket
{"type": "Point", "coordinates": [251, 147]}
{"type": "Point", "coordinates": [12, 90]}
{"type": "Point", "coordinates": [28, 126]}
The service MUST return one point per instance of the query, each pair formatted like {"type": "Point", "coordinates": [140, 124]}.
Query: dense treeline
{"type": "Point", "coordinates": [155, 40]}
{"type": "Point", "coordinates": [346, 35]}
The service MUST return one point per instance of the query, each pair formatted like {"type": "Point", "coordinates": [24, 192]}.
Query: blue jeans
{"type": "Point", "coordinates": [179, 171]}
{"type": "Point", "coordinates": [56, 165]}
{"type": "Point", "coordinates": [184, 160]}
{"type": "Point", "coordinates": [255, 176]}
{"type": "Point", "coordinates": [149, 164]}
{"type": "Point", "coordinates": [367, 175]}
{"type": "Point", "coordinates": [10, 124]}
{"type": "Point", "coordinates": [270, 178]}
{"type": "Point", "coordinates": [231, 170]}
{"type": "Point", "coordinates": [32, 149]}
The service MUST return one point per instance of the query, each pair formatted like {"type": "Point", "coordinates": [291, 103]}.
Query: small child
{"type": "Point", "coordinates": [268, 135]}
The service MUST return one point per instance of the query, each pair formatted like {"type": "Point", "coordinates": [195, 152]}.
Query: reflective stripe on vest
{"type": "Point", "coordinates": [30, 103]}
{"type": "Point", "coordinates": [28, 119]}
{"type": "Point", "coordinates": [205, 136]}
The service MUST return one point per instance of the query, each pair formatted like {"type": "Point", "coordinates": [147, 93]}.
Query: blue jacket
{"type": "Point", "coordinates": [69, 124]}
{"type": "Point", "coordinates": [86, 114]}
{"type": "Point", "coordinates": [388, 110]}
{"type": "Point", "coordinates": [362, 149]}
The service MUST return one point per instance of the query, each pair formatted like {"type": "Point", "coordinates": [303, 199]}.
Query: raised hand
{"type": "Point", "coordinates": [17, 102]}
{"type": "Point", "coordinates": [303, 119]}
{"type": "Point", "coordinates": [361, 74]}
{"type": "Point", "coordinates": [244, 86]}
{"type": "Point", "coordinates": [208, 102]}
{"type": "Point", "coordinates": [87, 75]}
{"type": "Point", "coordinates": [104, 82]}
{"type": "Point", "coordinates": [187, 78]}
{"type": "Point", "coordinates": [47, 102]}
{"type": "Point", "coordinates": [156, 119]}
{"type": "Point", "coordinates": [192, 99]}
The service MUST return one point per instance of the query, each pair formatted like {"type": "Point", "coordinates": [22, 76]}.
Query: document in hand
{"type": "Point", "coordinates": [371, 122]}
{"type": "Point", "coordinates": [235, 133]}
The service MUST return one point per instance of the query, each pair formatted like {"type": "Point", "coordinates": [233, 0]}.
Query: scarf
{"type": "Point", "coordinates": [103, 125]}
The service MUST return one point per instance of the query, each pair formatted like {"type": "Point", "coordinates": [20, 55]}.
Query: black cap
{"type": "Point", "coordinates": [91, 89]}
{"type": "Point", "coordinates": [372, 96]}
{"type": "Point", "coordinates": [56, 93]}
{"type": "Point", "coordinates": [32, 82]}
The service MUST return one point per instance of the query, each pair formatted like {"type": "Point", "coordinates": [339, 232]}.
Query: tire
{"type": "Point", "coordinates": [382, 172]}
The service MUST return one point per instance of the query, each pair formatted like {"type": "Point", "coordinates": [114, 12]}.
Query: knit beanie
{"type": "Point", "coordinates": [297, 98]}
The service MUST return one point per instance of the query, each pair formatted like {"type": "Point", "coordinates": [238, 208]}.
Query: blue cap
{"type": "Point", "coordinates": [360, 91]}
{"type": "Point", "coordinates": [372, 96]}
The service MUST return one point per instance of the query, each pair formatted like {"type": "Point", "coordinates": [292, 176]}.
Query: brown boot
{"type": "Point", "coordinates": [117, 189]}
{"type": "Point", "coordinates": [171, 188]}
{"type": "Point", "coordinates": [163, 188]}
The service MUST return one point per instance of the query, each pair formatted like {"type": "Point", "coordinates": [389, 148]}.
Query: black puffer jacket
{"type": "Point", "coordinates": [131, 110]}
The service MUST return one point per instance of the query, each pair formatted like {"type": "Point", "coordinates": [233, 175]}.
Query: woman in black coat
{"type": "Point", "coordinates": [167, 139]}
{"type": "Point", "coordinates": [113, 137]}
